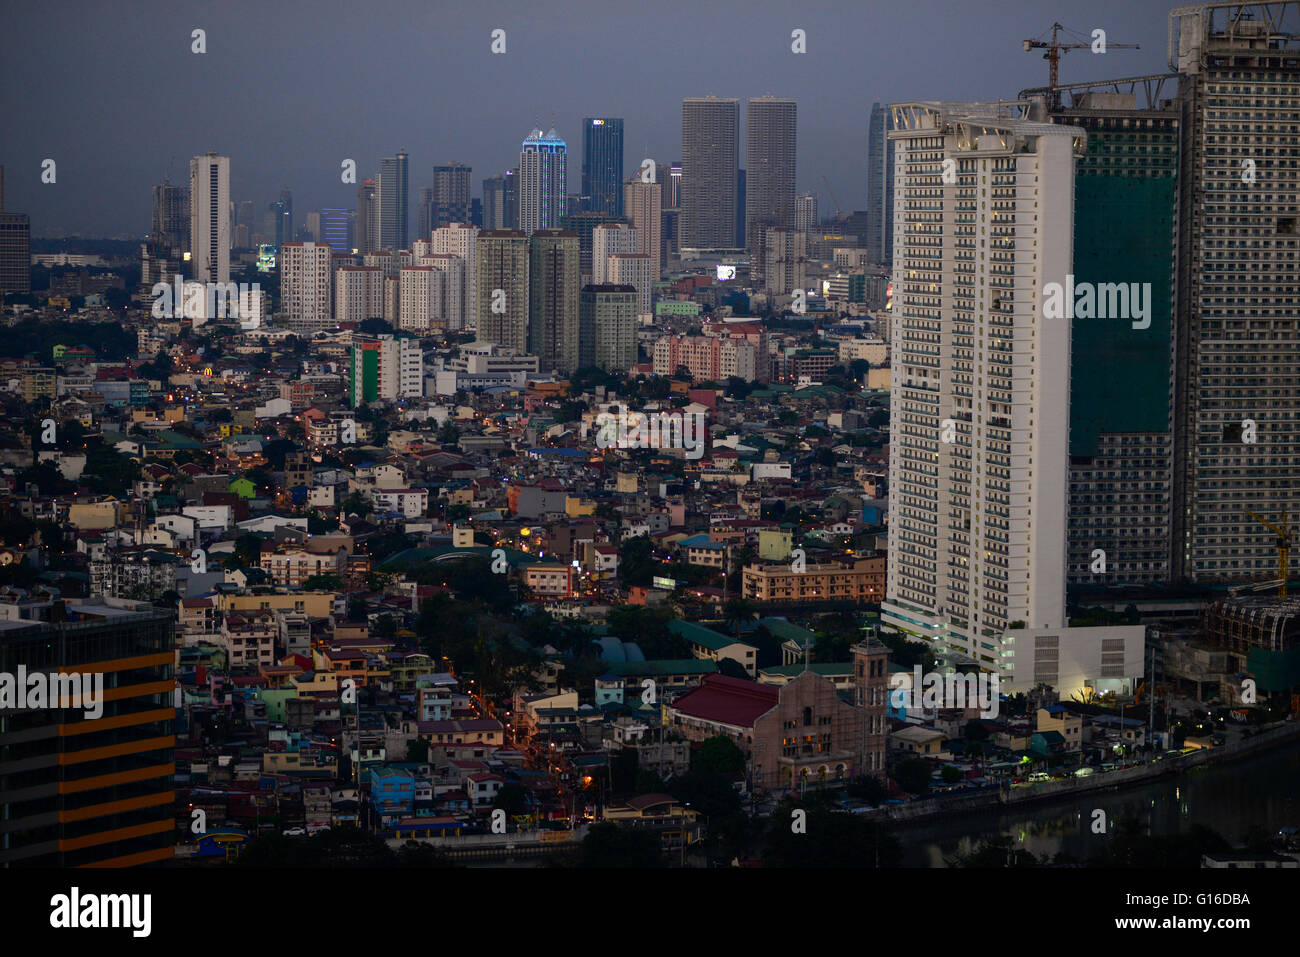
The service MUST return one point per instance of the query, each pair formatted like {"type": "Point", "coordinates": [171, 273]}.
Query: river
{"type": "Point", "coordinates": [1235, 799]}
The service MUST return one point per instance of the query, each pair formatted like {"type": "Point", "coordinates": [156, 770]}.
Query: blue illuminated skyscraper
{"type": "Point", "coordinates": [541, 181]}
{"type": "Point", "coordinates": [334, 229]}
{"type": "Point", "coordinates": [602, 163]}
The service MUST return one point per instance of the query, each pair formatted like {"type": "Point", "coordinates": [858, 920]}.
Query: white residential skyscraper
{"type": "Point", "coordinates": [461, 240]}
{"type": "Point", "coordinates": [980, 392]}
{"type": "Point", "coordinates": [210, 217]}
{"type": "Point", "coordinates": [421, 289]}
{"type": "Point", "coordinates": [643, 204]}
{"type": "Point", "coordinates": [541, 181]}
{"type": "Point", "coordinates": [632, 269]}
{"type": "Point", "coordinates": [306, 285]}
{"type": "Point", "coordinates": [606, 240]}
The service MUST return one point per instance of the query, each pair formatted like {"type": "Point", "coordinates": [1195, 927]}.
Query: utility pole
{"type": "Point", "coordinates": [1151, 705]}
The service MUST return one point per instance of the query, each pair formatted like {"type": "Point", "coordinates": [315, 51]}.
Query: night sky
{"type": "Point", "coordinates": [288, 90]}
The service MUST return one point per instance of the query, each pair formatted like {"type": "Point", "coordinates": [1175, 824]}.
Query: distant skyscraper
{"type": "Point", "coordinates": [502, 293]}
{"type": "Point", "coordinates": [541, 181]}
{"type": "Point", "coordinates": [606, 240]}
{"type": "Point", "coordinates": [805, 211]}
{"type": "Point", "coordinates": [602, 163]}
{"type": "Point", "coordinates": [461, 241]}
{"type": "Point", "coordinates": [210, 218]}
{"type": "Point", "coordinates": [633, 269]}
{"type": "Point", "coordinates": [710, 155]}
{"type": "Point", "coordinates": [274, 222]}
{"type": "Point", "coordinates": [394, 202]}
{"type": "Point", "coordinates": [170, 233]}
{"type": "Point", "coordinates": [771, 133]}
{"type": "Point", "coordinates": [585, 224]}
{"type": "Point", "coordinates": [286, 210]}
{"type": "Point", "coordinates": [451, 192]}
{"type": "Point", "coordinates": [784, 258]}
{"type": "Point", "coordinates": [553, 287]}
{"type": "Point", "coordinates": [607, 327]}
{"type": "Point", "coordinates": [424, 213]}
{"type": "Point", "coordinates": [494, 202]}
{"type": "Point", "coordinates": [512, 198]}
{"type": "Point", "coordinates": [367, 228]}
{"type": "Point", "coordinates": [673, 186]}
{"type": "Point", "coordinates": [643, 203]}
{"type": "Point", "coordinates": [880, 186]}
{"type": "Point", "coordinates": [740, 209]}
{"type": "Point", "coordinates": [15, 253]}
{"type": "Point", "coordinates": [336, 229]}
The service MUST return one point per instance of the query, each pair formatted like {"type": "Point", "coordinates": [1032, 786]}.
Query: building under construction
{"type": "Point", "coordinates": [1264, 631]}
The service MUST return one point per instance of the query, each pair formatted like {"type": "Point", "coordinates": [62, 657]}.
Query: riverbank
{"type": "Point", "coordinates": [927, 810]}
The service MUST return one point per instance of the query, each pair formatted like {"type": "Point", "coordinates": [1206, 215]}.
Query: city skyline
{"type": "Point", "coordinates": [110, 196]}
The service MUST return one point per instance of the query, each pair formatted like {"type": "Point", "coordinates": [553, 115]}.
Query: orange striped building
{"type": "Point", "coordinates": [77, 791]}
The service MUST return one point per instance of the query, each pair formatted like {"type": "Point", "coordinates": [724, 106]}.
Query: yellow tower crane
{"type": "Point", "coordinates": [1283, 547]}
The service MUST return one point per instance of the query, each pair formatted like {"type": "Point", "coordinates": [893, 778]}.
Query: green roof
{"type": "Point", "coordinates": [706, 637]}
{"type": "Point", "coordinates": [786, 631]}
{"type": "Point", "coordinates": [664, 666]}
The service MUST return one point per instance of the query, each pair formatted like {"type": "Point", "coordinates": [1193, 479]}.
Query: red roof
{"type": "Point", "coordinates": [725, 700]}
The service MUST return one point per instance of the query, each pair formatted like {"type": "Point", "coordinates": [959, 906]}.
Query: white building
{"type": "Point", "coordinates": [210, 218]}
{"type": "Point", "coordinates": [643, 204]}
{"type": "Point", "coordinates": [461, 240]}
{"type": "Point", "coordinates": [358, 293]}
{"type": "Point", "coordinates": [422, 290]}
{"type": "Point", "coordinates": [606, 240]}
{"type": "Point", "coordinates": [306, 287]}
{"type": "Point", "coordinates": [980, 379]}
{"type": "Point", "coordinates": [384, 367]}
{"type": "Point", "coordinates": [452, 268]}
{"type": "Point", "coordinates": [633, 269]}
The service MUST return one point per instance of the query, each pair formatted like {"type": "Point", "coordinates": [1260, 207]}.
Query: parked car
{"type": "Point", "coordinates": [294, 832]}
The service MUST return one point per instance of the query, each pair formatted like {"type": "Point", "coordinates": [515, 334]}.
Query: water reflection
{"type": "Point", "coordinates": [1236, 800]}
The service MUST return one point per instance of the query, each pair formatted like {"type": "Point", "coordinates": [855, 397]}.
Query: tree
{"type": "Point", "coordinates": [609, 845]}
{"type": "Point", "coordinates": [913, 775]}
{"type": "Point", "coordinates": [322, 583]}
{"type": "Point", "coordinates": [512, 798]}
{"type": "Point", "coordinates": [831, 839]}
{"type": "Point", "coordinates": [870, 790]}
{"type": "Point", "coordinates": [719, 755]}
{"type": "Point", "coordinates": [647, 782]}
{"type": "Point", "coordinates": [736, 611]}
{"type": "Point", "coordinates": [636, 560]}
{"type": "Point", "coordinates": [418, 750]}
{"type": "Point", "coordinates": [248, 550]}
